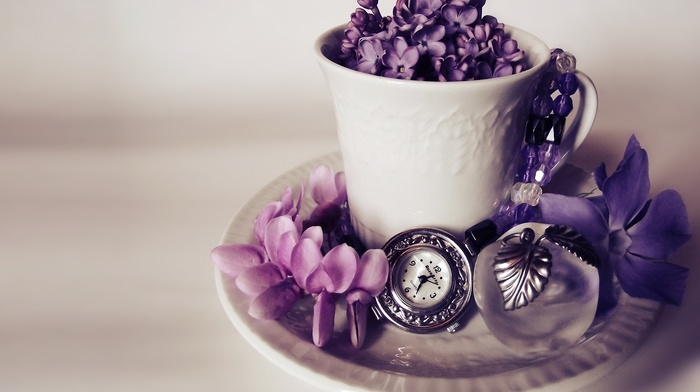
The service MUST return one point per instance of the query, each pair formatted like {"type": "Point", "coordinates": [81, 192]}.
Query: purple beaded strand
{"type": "Point", "coordinates": [545, 127]}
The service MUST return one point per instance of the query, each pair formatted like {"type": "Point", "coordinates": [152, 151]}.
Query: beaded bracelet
{"type": "Point", "coordinates": [543, 135]}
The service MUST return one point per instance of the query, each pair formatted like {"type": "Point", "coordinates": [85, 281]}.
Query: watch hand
{"type": "Point", "coordinates": [421, 279]}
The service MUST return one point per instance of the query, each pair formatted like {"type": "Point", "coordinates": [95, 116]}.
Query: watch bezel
{"type": "Point", "coordinates": [440, 316]}
{"type": "Point", "coordinates": [400, 297]}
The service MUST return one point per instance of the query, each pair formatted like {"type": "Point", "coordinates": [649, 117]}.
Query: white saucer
{"type": "Point", "coordinates": [394, 360]}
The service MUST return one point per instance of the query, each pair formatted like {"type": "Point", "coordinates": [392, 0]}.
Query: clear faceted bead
{"type": "Point", "coordinates": [565, 62]}
{"type": "Point", "coordinates": [528, 193]}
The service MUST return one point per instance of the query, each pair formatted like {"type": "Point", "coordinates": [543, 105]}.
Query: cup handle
{"type": "Point", "coordinates": [582, 122]}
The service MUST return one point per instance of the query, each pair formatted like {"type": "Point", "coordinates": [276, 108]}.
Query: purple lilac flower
{"type": "Point", "coordinates": [634, 236]}
{"type": "Point", "coordinates": [451, 68]}
{"type": "Point", "coordinates": [466, 46]}
{"type": "Point", "coordinates": [457, 19]}
{"type": "Point", "coordinates": [506, 49]}
{"type": "Point", "coordinates": [481, 34]}
{"type": "Point", "coordinates": [400, 59]}
{"type": "Point", "coordinates": [370, 53]}
{"type": "Point", "coordinates": [428, 40]}
{"type": "Point", "coordinates": [359, 19]}
{"type": "Point", "coordinates": [428, 8]}
{"type": "Point", "coordinates": [406, 19]}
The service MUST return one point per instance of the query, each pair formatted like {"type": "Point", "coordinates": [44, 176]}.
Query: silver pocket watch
{"type": "Point", "coordinates": [430, 277]}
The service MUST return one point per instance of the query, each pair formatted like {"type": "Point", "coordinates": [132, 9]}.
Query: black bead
{"type": "Point", "coordinates": [536, 127]}
{"type": "Point", "coordinates": [555, 129]}
{"type": "Point", "coordinates": [479, 235]}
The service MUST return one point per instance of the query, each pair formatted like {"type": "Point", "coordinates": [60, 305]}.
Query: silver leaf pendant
{"type": "Point", "coordinates": [522, 266]}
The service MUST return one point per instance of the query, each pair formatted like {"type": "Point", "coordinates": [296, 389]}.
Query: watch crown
{"type": "Point", "coordinates": [452, 328]}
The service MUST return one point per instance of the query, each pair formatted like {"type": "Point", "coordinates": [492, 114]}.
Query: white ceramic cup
{"type": "Point", "coordinates": [436, 154]}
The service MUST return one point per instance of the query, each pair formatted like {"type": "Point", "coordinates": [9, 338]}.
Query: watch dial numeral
{"type": "Point", "coordinates": [437, 269]}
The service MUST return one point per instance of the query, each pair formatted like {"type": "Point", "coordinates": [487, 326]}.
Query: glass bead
{"type": "Point", "coordinates": [528, 193]}
{"type": "Point", "coordinates": [541, 174]}
{"type": "Point", "coordinates": [535, 129]}
{"type": "Point", "coordinates": [568, 83]}
{"type": "Point", "coordinates": [547, 83]}
{"type": "Point", "coordinates": [525, 213]}
{"type": "Point", "coordinates": [542, 105]}
{"type": "Point", "coordinates": [528, 158]}
{"type": "Point", "coordinates": [549, 154]}
{"type": "Point", "coordinates": [555, 129]}
{"type": "Point", "coordinates": [553, 56]}
{"type": "Point", "coordinates": [563, 105]}
{"type": "Point", "coordinates": [565, 62]}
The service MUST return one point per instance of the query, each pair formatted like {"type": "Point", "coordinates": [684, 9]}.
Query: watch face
{"type": "Point", "coordinates": [430, 283]}
{"type": "Point", "coordinates": [423, 278]}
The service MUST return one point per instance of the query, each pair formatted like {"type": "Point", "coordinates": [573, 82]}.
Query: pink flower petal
{"type": "Point", "coordinates": [273, 235]}
{"type": "Point", "coordinates": [285, 245]}
{"type": "Point", "coordinates": [341, 188]}
{"type": "Point", "coordinates": [357, 322]}
{"type": "Point", "coordinates": [231, 259]}
{"type": "Point", "coordinates": [270, 211]}
{"type": "Point", "coordinates": [372, 272]}
{"type": "Point", "coordinates": [315, 233]}
{"type": "Point", "coordinates": [324, 317]}
{"type": "Point", "coordinates": [254, 280]}
{"type": "Point", "coordinates": [306, 256]}
{"type": "Point", "coordinates": [319, 280]}
{"type": "Point", "coordinates": [275, 301]}
{"type": "Point", "coordinates": [322, 184]}
{"type": "Point", "coordinates": [341, 264]}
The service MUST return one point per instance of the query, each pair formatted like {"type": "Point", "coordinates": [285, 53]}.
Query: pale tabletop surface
{"type": "Point", "coordinates": [131, 133]}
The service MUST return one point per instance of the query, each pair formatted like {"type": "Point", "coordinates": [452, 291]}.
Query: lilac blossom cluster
{"type": "Point", "coordinates": [296, 257]}
{"type": "Point", "coordinates": [433, 40]}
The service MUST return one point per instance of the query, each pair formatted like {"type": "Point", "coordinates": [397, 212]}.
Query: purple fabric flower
{"type": "Point", "coordinates": [634, 236]}
{"type": "Point", "coordinates": [428, 40]}
{"type": "Point", "coordinates": [400, 59]}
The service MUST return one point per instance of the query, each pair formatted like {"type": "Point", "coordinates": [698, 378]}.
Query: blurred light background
{"type": "Point", "coordinates": [131, 131]}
